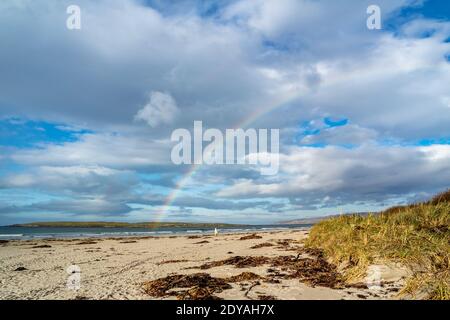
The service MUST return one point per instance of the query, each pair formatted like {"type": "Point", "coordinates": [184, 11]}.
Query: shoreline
{"type": "Point", "coordinates": [127, 268]}
{"type": "Point", "coordinates": [90, 233]}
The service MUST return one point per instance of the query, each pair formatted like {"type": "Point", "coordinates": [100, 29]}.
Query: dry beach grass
{"type": "Point", "coordinates": [416, 236]}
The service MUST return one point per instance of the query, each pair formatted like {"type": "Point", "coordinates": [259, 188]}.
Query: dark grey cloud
{"type": "Point", "coordinates": [74, 207]}
{"type": "Point", "coordinates": [103, 73]}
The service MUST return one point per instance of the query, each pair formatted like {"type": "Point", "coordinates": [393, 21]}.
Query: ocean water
{"type": "Point", "coordinates": [28, 233]}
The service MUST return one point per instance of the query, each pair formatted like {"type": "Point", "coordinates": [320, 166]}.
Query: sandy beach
{"type": "Point", "coordinates": [268, 265]}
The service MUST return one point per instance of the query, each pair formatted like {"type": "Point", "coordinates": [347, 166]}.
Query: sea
{"type": "Point", "coordinates": [30, 233]}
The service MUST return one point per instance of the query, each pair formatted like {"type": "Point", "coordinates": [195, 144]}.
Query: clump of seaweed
{"type": "Point", "coordinates": [237, 261]}
{"type": "Point", "coordinates": [171, 261]}
{"type": "Point", "coordinates": [20, 269]}
{"type": "Point", "coordinates": [284, 242]}
{"type": "Point", "coordinates": [201, 242]}
{"type": "Point", "coordinates": [41, 246]}
{"type": "Point", "coordinates": [250, 237]}
{"type": "Point", "coordinates": [266, 297]}
{"type": "Point", "coordinates": [86, 242]}
{"type": "Point", "coordinates": [244, 276]}
{"type": "Point", "coordinates": [262, 245]}
{"type": "Point", "coordinates": [201, 286]}
{"type": "Point", "coordinates": [315, 272]}
{"type": "Point", "coordinates": [197, 293]}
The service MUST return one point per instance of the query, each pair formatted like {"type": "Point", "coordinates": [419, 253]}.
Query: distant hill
{"type": "Point", "coordinates": [101, 224]}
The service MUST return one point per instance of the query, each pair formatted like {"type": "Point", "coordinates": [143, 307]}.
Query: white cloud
{"type": "Point", "coordinates": [160, 109]}
{"type": "Point", "coordinates": [102, 149]}
{"type": "Point", "coordinates": [345, 135]}
{"type": "Point", "coordinates": [75, 180]}
{"type": "Point", "coordinates": [366, 173]}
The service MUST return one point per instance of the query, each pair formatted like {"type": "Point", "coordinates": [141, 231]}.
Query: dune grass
{"type": "Point", "coordinates": [417, 236]}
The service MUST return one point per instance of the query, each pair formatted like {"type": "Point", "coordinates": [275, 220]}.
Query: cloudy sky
{"type": "Point", "coordinates": [86, 115]}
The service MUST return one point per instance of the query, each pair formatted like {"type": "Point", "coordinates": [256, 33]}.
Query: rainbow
{"type": "Point", "coordinates": [195, 167]}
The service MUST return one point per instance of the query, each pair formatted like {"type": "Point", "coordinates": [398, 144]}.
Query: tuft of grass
{"type": "Point", "coordinates": [418, 236]}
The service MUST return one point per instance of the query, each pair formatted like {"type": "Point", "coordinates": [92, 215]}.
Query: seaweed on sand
{"type": "Point", "coordinates": [266, 297]}
{"type": "Point", "coordinates": [86, 242]}
{"type": "Point", "coordinates": [171, 261]}
{"type": "Point", "coordinates": [202, 242]}
{"type": "Point", "coordinates": [20, 269]}
{"type": "Point", "coordinates": [238, 262]}
{"type": "Point", "coordinates": [250, 237]}
{"type": "Point", "coordinates": [201, 286]}
{"type": "Point", "coordinates": [262, 245]}
{"type": "Point", "coordinates": [244, 276]}
{"type": "Point", "coordinates": [315, 271]}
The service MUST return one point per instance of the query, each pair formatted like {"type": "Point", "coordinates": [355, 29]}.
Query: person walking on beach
{"type": "Point", "coordinates": [216, 232]}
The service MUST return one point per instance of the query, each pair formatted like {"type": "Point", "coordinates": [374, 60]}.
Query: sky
{"type": "Point", "coordinates": [86, 115]}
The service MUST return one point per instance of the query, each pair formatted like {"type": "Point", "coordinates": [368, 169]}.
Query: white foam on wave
{"type": "Point", "coordinates": [194, 231]}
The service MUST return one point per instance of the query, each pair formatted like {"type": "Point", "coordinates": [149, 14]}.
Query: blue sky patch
{"type": "Point", "coordinates": [20, 133]}
{"type": "Point", "coordinates": [430, 142]}
{"type": "Point", "coordinates": [430, 9]}
{"type": "Point", "coordinates": [331, 123]}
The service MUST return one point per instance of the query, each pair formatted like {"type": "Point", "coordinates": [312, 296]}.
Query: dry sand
{"type": "Point", "coordinates": [117, 268]}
